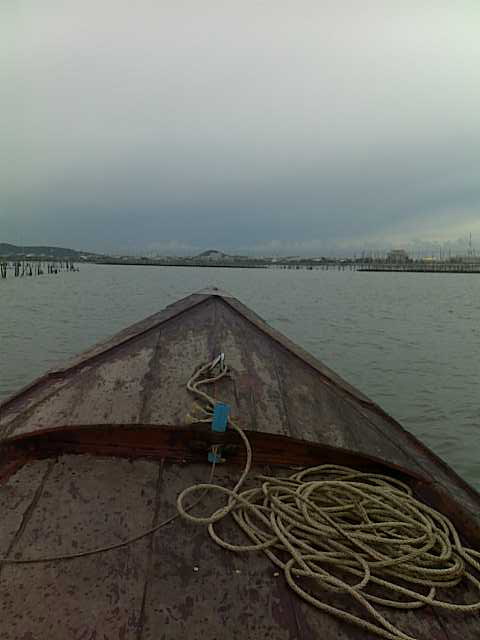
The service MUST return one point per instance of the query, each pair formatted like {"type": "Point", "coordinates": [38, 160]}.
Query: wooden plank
{"type": "Point", "coordinates": [236, 389]}
{"type": "Point", "coordinates": [329, 375]}
{"type": "Point", "coordinates": [323, 414]}
{"type": "Point", "coordinates": [191, 586]}
{"type": "Point", "coordinates": [276, 388]}
{"type": "Point", "coordinates": [148, 324]}
{"type": "Point", "coordinates": [110, 390]}
{"type": "Point", "coordinates": [182, 346]}
{"type": "Point", "coordinates": [199, 590]}
{"type": "Point", "coordinates": [407, 447]}
{"type": "Point", "coordinates": [85, 503]}
{"type": "Point", "coordinates": [16, 497]}
{"type": "Point", "coordinates": [268, 602]}
{"type": "Point", "coordinates": [224, 390]}
{"type": "Point", "coordinates": [315, 413]}
{"type": "Point", "coordinates": [309, 408]}
{"type": "Point", "coordinates": [21, 405]}
{"type": "Point", "coordinates": [52, 410]}
{"type": "Point", "coordinates": [259, 399]}
{"type": "Point", "coordinates": [191, 442]}
{"type": "Point", "coordinates": [114, 387]}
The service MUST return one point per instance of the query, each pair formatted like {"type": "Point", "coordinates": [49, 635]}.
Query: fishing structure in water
{"type": "Point", "coordinates": [22, 268]}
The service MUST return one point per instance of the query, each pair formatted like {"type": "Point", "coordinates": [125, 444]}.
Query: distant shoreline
{"type": "Point", "coordinates": [334, 264]}
{"type": "Point", "coordinates": [144, 263]}
{"type": "Point", "coordinates": [438, 267]}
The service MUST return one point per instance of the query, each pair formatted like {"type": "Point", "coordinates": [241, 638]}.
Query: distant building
{"type": "Point", "coordinates": [398, 256]}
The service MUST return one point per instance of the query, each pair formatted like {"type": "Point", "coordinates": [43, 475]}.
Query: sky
{"type": "Point", "coordinates": [275, 127]}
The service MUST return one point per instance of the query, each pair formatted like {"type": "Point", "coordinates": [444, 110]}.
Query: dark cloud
{"type": "Point", "coordinates": [297, 127]}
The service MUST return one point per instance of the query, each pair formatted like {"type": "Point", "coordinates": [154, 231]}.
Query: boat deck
{"type": "Point", "coordinates": [124, 406]}
{"type": "Point", "coordinates": [174, 584]}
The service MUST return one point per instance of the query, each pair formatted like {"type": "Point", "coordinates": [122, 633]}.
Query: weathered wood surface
{"type": "Point", "coordinates": [175, 584]}
{"type": "Point", "coordinates": [136, 381]}
{"type": "Point", "coordinates": [139, 377]}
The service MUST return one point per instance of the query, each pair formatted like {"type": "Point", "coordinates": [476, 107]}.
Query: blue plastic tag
{"type": "Point", "coordinates": [220, 416]}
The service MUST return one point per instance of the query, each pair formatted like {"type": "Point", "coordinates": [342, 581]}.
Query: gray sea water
{"type": "Point", "coordinates": [409, 341]}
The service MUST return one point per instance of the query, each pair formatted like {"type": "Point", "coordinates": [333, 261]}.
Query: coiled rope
{"type": "Point", "coordinates": [350, 532]}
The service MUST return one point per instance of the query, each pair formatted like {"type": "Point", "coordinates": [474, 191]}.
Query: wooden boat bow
{"type": "Point", "coordinates": [124, 402]}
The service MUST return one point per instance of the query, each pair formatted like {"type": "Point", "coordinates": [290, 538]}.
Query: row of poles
{"type": "Point", "coordinates": [325, 267]}
{"type": "Point", "coordinates": [411, 266]}
{"type": "Point", "coordinates": [23, 268]}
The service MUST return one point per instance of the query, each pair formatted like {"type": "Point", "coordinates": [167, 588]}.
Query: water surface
{"type": "Point", "coordinates": [409, 341]}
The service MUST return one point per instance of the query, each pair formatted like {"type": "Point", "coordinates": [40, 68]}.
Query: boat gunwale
{"type": "Point", "coordinates": [199, 433]}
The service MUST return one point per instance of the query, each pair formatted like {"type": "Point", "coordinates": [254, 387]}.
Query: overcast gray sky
{"type": "Point", "coordinates": [288, 126]}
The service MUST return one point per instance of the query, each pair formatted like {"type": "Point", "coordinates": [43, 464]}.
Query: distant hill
{"type": "Point", "coordinates": [212, 254]}
{"type": "Point", "coordinates": [11, 251]}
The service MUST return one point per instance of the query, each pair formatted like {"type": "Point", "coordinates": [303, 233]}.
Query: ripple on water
{"type": "Point", "coordinates": [410, 343]}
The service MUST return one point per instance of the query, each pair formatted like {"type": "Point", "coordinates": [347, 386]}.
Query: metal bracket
{"type": "Point", "coordinates": [220, 359]}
